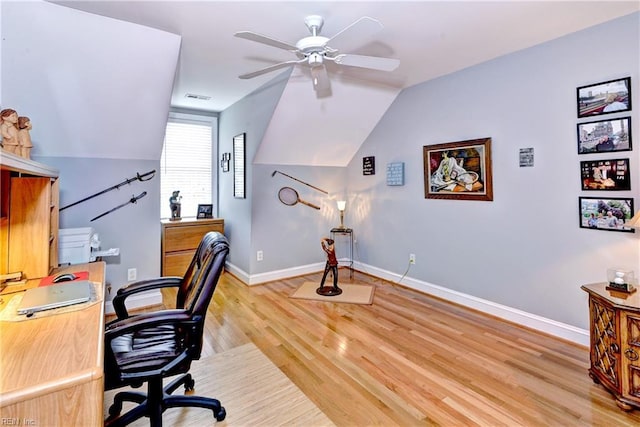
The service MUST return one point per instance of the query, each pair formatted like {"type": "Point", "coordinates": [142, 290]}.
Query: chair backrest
{"type": "Point", "coordinates": [211, 260]}
{"type": "Point", "coordinates": [188, 285]}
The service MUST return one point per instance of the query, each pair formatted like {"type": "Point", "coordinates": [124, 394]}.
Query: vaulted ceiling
{"type": "Point", "coordinates": [128, 67]}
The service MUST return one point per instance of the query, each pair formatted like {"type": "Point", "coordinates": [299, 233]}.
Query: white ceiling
{"type": "Point", "coordinates": [100, 87]}
{"type": "Point", "coordinates": [430, 38]}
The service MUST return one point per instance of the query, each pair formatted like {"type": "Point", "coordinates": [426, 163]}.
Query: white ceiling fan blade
{"type": "Point", "coordinates": [255, 37]}
{"type": "Point", "coordinates": [269, 69]}
{"type": "Point", "coordinates": [320, 77]}
{"type": "Point", "coordinates": [355, 35]}
{"type": "Point", "coordinates": [362, 61]}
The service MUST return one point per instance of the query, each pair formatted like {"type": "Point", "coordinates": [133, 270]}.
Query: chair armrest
{"type": "Point", "coordinates": [141, 286]}
{"type": "Point", "coordinates": [145, 320]}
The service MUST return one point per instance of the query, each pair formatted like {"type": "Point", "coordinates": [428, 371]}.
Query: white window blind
{"type": "Point", "coordinates": [186, 165]}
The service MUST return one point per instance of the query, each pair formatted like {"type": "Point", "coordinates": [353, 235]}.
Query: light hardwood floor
{"type": "Point", "coordinates": [410, 359]}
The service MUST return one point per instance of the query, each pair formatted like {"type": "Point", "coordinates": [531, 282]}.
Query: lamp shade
{"type": "Point", "coordinates": [634, 222]}
{"type": "Point", "coordinates": [342, 204]}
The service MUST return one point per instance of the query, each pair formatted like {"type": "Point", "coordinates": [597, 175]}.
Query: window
{"type": "Point", "coordinates": [186, 163]}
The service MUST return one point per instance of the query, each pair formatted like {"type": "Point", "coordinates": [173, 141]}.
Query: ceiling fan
{"type": "Point", "coordinates": [314, 50]}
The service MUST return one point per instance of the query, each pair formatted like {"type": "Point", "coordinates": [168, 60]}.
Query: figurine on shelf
{"type": "Point", "coordinates": [175, 205]}
{"type": "Point", "coordinates": [24, 137]}
{"type": "Point", "coordinates": [9, 130]}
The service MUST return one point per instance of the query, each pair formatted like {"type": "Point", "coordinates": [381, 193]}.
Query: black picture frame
{"type": "Point", "coordinates": [205, 211]}
{"type": "Point", "coordinates": [603, 136]}
{"type": "Point", "coordinates": [605, 175]}
{"type": "Point", "coordinates": [594, 213]}
{"type": "Point", "coordinates": [613, 96]}
{"type": "Point", "coordinates": [369, 165]}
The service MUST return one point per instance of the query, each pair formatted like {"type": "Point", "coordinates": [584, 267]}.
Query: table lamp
{"type": "Point", "coordinates": [342, 204]}
{"type": "Point", "coordinates": [634, 222]}
{"type": "Point", "coordinates": [620, 279]}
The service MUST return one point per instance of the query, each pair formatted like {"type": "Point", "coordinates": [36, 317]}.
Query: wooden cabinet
{"type": "Point", "coordinates": [615, 343]}
{"type": "Point", "coordinates": [180, 240]}
{"type": "Point", "coordinates": [28, 217]}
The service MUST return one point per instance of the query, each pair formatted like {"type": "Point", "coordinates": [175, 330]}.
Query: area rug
{"type": "Point", "coordinates": [353, 294]}
{"type": "Point", "coordinates": [253, 391]}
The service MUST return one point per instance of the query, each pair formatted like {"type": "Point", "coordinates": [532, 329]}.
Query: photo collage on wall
{"type": "Point", "coordinates": [596, 136]}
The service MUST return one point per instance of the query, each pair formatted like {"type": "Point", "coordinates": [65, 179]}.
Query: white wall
{"type": "Point", "coordinates": [523, 250]}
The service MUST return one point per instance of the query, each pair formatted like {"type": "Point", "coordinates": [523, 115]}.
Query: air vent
{"type": "Point", "coordinates": [200, 97]}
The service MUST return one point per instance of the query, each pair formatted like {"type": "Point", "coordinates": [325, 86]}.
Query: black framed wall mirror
{"type": "Point", "coordinates": [239, 160]}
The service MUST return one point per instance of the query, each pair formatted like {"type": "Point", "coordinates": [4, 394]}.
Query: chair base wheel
{"type": "Point", "coordinates": [222, 414]}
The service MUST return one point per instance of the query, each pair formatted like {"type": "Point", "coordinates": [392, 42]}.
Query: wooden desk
{"type": "Point", "coordinates": [51, 368]}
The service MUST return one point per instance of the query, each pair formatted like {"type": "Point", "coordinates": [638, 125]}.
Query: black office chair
{"type": "Point", "coordinates": [151, 346]}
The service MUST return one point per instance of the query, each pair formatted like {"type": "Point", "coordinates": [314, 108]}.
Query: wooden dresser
{"type": "Point", "coordinates": [180, 240]}
{"type": "Point", "coordinates": [615, 343]}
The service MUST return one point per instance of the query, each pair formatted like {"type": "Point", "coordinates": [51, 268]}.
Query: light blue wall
{"type": "Point", "coordinates": [251, 116]}
{"type": "Point", "coordinates": [288, 236]}
{"type": "Point", "coordinates": [135, 228]}
{"type": "Point", "coordinates": [525, 249]}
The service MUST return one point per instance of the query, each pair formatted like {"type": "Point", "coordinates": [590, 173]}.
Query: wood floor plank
{"type": "Point", "coordinates": [410, 359]}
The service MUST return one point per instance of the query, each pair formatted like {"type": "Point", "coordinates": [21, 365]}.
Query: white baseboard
{"type": "Point", "coordinates": [270, 276]}
{"type": "Point", "coordinates": [533, 321]}
{"type": "Point", "coordinates": [145, 299]}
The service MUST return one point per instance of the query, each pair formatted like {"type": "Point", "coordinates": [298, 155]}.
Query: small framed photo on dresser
{"type": "Point", "coordinates": [205, 211]}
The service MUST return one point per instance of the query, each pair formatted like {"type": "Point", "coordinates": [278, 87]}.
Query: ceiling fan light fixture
{"type": "Point", "coordinates": [315, 60]}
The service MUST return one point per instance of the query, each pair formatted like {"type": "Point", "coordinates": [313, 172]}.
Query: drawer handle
{"type": "Point", "coordinates": [631, 354]}
{"type": "Point", "coordinates": [614, 348]}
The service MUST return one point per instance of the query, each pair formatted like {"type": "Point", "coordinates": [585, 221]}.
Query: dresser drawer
{"type": "Point", "coordinates": [176, 263]}
{"type": "Point", "coordinates": [187, 237]}
{"type": "Point", "coordinates": [180, 239]}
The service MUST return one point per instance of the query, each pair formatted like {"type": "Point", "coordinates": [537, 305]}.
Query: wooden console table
{"type": "Point", "coordinates": [52, 366]}
{"type": "Point", "coordinates": [615, 343]}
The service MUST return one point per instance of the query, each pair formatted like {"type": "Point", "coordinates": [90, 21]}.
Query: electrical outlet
{"type": "Point", "coordinates": [412, 258]}
{"type": "Point", "coordinates": [132, 274]}
{"type": "Point", "coordinates": [259, 255]}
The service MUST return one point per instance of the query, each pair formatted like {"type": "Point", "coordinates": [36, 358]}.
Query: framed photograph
{"type": "Point", "coordinates": [605, 175]}
{"type": "Point", "coordinates": [605, 214]}
{"type": "Point", "coordinates": [613, 96]}
{"type": "Point", "coordinates": [458, 170]}
{"type": "Point", "coordinates": [205, 211]}
{"type": "Point", "coordinates": [604, 135]}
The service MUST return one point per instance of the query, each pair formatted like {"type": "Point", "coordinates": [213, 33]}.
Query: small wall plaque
{"type": "Point", "coordinates": [526, 157]}
{"type": "Point", "coordinates": [395, 173]}
{"type": "Point", "coordinates": [369, 165]}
